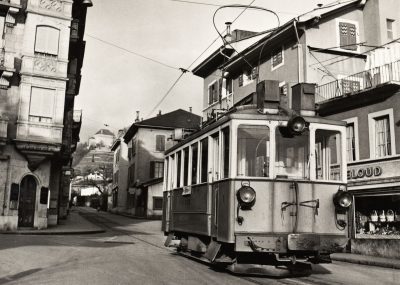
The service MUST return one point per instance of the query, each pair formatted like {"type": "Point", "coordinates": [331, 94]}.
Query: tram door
{"type": "Point", "coordinates": [27, 202]}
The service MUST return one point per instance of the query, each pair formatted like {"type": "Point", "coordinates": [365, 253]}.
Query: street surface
{"type": "Point", "coordinates": [131, 251]}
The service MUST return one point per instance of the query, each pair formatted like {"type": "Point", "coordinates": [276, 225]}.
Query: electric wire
{"type": "Point", "coordinates": [188, 68]}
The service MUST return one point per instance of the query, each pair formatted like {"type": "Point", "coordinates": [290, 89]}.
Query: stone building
{"type": "Point", "coordinates": [42, 53]}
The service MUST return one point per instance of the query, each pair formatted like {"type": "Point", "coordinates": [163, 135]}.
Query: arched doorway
{"type": "Point", "coordinates": [27, 202]}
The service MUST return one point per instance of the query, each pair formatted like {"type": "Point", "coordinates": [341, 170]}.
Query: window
{"type": "Point", "coordinates": [347, 35]}
{"type": "Point", "coordinates": [47, 40]}
{"type": "Point", "coordinates": [156, 169]}
{"type": "Point", "coordinates": [283, 88]}
{"type": "Point", "coordinates": [131, 174]}
{"type": "Point", "coordinates": [227, 87]}
{"type": "Point", "coordinates": [204, 160]}
{"type": "Point", "coordinates": [157, 203]}
{"type": "Point", "coordinates": [42, 105]}
{"type": "Point", "coordinates": [14, 196]}
{"type": "Point", "coordinates": [350, 142]}
{"type": "Point", "coordinates": [178, 169]}
{"type": "Point", "coordinates": [115, 177]}
{"type": "Point", "coordinates": [247, 77]}
{"type": "Point", "coordinates": [253, 151]}
{"type": "Point", "coordinates": [213, 95]}
{"type": "Point", "coordinates": [382, 139]}
{"type": "Point", "coordinates": [160, 143]}
{"type": "Point", "coordinates": [277, 59]}
{"type": "Point", "coordinates": [185, 166]}
{"type": "Point", "coordinates": [292, 154]}
{"type": "Point", "coordinates": [215, 159]}
{"type": "Point", "coordinates": [225, 153]}
{"type": "Point", "coordinates": [117, 155]}
{"type": "Point", "coordinates": [194, 162]}
{"type": "Point", "coordinates": [390, 29]}
{"type": "Point", "coordinates": [328, 155]}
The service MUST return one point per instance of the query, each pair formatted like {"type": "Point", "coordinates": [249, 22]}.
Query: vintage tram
{"type": "Point", "coordinates": [262, 188]}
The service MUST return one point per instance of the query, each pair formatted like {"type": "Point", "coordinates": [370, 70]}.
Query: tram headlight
{"type": "Point", "coordinates": [297, 125]}
{"type": "Point", "coordinates": [246, 197]}
{"type": "Point", "coordinates": [342, 199]}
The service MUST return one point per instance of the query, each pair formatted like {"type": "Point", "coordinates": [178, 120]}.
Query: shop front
{"type": "Point", "coordinates": [375, 185]}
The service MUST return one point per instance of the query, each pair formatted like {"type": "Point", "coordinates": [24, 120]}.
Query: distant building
{"type": "Point", "coordinates": [139, 161]}
{"type": "Point", "coordinates": [41, 56]}
{"type": "Point", "coordinates": [102, 139]}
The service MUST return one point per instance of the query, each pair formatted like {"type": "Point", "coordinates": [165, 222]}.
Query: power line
{"type": "Point", "coordinates": [131, 52]}
{"type": "Point", "coordinates": [188, 68]}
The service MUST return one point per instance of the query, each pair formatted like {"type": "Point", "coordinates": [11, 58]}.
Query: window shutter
{"type": "Point", "coordinates": [47, 40]}
{"type": "Point", "coordinates": [348, 36]}
{"type": "Point", "coordinates": [219, 90]}
{"type": "Point", "coordinates": [42, 102]}
{"type": "Point", "coordinates": [152, 167]}
{"type": "Point", "coordinates": [352, 38]}
{"type": "Point", "coordinates": [160, 143]}
{"type": "Point", "coordinates": [240, 80]}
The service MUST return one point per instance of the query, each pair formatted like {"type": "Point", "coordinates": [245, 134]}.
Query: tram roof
{"type": "Point", "coordinates": [248, 113]}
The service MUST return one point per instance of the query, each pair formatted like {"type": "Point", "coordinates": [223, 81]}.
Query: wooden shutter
{"type": "Point", "coordinates": [42, 102]}
{"type": "Point", "coordinates": [240, 80]}
{"type": "Point", "coordinates": [152, 168]}
{"type": "Point", "coordinates": [47, 40]}
{"type": "Point", "coordinates": [160, 143]}
{"type": "Point", "coordinates": [348, 36]}
{"type": "Point", "coordinates": [352, 35]}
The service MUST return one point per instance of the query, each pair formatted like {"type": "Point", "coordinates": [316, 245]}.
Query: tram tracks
{"type": "Point", "coordinates": [110, 225]}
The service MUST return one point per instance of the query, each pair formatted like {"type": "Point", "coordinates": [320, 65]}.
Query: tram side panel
{"type": "Point", "coordinates": [225, 211]}
{"type": "Point", "coordinates": [191, 211]}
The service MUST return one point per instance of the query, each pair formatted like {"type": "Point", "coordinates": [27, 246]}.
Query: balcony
{"type": "Point", "coordinates": [372, 84]}
{"type": "Point", "coordinates": [47, 66]}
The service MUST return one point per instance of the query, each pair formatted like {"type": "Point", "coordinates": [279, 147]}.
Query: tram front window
{"type": "Point", "coordinates": [328, 155]}
{"type": "Point", "coordinates": [292, 156]}
{"type": "Point", "coordinates": [253, 151]}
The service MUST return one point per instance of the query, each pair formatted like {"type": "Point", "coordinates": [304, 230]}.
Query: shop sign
{"type": "Point", "coordinates": [365, 172]}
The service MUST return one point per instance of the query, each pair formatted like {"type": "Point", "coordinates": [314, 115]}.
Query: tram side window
{"type": "Point", "coordinates": [253, 151]}
{"type": "Point", "coordinates": [328, 155]}
{"type": "Point", "coordinates": [178, 169]}
{"type": "Point", "coordinates": [185, 166]}
{"type": "Point", "coordinates": [194, 163]}
{"type": "Point", "coordinates": [292, 155]}
{"type": "Point", "coordinates": [225, 153]}
{"type": "Point", "coordinates": [204, 160]}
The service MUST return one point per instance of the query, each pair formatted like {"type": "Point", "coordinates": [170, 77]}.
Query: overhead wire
{"type": "Point", "coordinates": [188, 68]}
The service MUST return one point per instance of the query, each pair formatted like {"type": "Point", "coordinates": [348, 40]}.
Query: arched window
{"type": "Point", "coordinates": [47, 40]}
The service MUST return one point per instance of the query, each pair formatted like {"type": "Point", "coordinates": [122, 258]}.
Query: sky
{"type": "Point", "coordinates": [116, 82]}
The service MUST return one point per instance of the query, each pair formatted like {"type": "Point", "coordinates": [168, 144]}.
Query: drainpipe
{"type": "Point", "coordinates": [300, 62]}
{"type": "Point", "coordinates": [5, 186]}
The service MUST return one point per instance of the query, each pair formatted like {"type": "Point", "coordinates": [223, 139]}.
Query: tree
{"type": "Point", "coordinates": [99, 177]}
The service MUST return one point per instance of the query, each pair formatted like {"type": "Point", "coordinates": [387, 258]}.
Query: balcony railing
{"type": "Point", "coordinates": [359, 82]}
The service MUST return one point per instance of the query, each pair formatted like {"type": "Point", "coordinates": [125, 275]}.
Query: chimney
{"type": "Point", "coordinates": [137, 117]}
{"type": "Point", "coordinates": [159, 113]}
{"type": "Point", "coordinates": [190, 109]}
{"type": "Point", "coordinates": [303, 99]}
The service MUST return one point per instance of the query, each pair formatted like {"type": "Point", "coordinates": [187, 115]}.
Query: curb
{"type": "Point", "coordinates": [367, 260]}
{"type": "Point", "coordinates": [38, 232]}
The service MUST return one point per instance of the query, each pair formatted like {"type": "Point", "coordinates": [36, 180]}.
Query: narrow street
{"type": "Point", "coordinates": [131, 251]}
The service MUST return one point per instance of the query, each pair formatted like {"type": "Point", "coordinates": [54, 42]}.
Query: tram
{"type": "Point", "coordinates": [262, 188]}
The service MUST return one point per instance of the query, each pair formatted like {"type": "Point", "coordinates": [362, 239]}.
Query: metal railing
{"type": "Point", "coordinates": [358, 82]}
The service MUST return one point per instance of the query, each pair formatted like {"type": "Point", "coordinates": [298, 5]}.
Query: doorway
{"type": "Point", "coordinates": [27, 202]}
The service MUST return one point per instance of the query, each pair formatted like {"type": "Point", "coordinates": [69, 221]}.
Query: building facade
{"type": "Point", "coordinates": [139, 161]}
{"type": "Point", "coordinates": [350, 51]}
{"type": "Point", "coordinates": [41, 58]}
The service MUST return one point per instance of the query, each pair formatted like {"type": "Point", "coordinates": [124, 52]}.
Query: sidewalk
{"type": "Point", "coordinates": [366, 260]}
{"type": "Point", "coordinates": [74, 224]}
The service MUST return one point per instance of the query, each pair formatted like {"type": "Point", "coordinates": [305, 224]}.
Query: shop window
{"type": "Point", "coordinates": [14, 196]}
{"type": "Point", "coordinates": [44, 195]}
{"type": "Point", "coordinates": [160, 143]}
{"type": "Point", "coordinates": [348, 35]}
{"type": "Point", "coordinates": [277, 58]}
{"type": "Point", "coordinates": [157, 203]}
{"type": "Point", "coordinates": [253, 151]}
{"type": "Point", "coordinates": [204, 160]}
{"type": "Point", "coordinates": [225, 153]}
{"type": "Point", "coordinates": [390, 29]}
{"type": "Point", "coordinates": [195, 156]}
{"type": "Point", "coordinates": [328, 155]}
{"type": "Point", "coordinates": [47, 39]}
{"type": "Point", "coordinates": [377, 216]}
{"type": "Point", "coordinates": [291, 159]}
{"type": "Point", "coordinates": [381, 127]}
{"type": "Point", "coordinates": [156, 169]}
{"type": "Point", "coordinates": [41, 106]}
